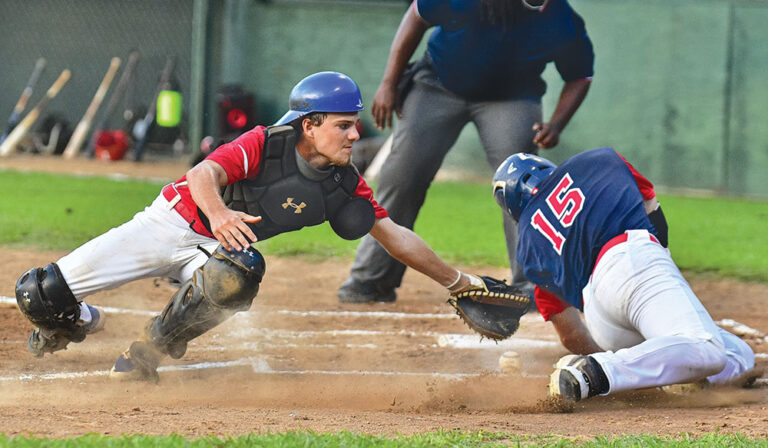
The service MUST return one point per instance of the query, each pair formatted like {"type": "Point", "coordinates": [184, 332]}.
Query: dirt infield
{"type": "Point", "coordinates": [300, 360]}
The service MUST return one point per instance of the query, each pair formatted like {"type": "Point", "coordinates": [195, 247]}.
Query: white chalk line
{"type": "Point", "coordinates": [456, 341]}
{"type": "Point", "coordinates": [259, 365]}
{"type": "Point", "coordinates": [470, 341]}
{"type": "Point", "coordinates": [383, 314]}
{"type": "Point", "coordinates": [526, 318]}
{"type": "Point", "coordinates": [444, 340]}
{"type": "Point", "coordinates": [247, 333]}
{"type": "Point", "coordinates": [261, 346]}
{"type": "Point", "coordinates": [740, 329]}
{"type": "Point", "coordinates": [107, 309]}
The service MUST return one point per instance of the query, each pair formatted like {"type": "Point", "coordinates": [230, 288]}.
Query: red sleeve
{"type": "Point", "coordinates": [240, 158]}
{"type": "Point", "coordinates": [645, 185]}
{"type": "Point", "coordinates": [548, 303]}
{"type": "Point", "coordinates": [364, 191]}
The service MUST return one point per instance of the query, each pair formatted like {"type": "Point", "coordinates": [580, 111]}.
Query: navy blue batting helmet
{"type": "Point", "coordinates": [323, 92]}
{"type": "Point", "coordinates": [516, 179]}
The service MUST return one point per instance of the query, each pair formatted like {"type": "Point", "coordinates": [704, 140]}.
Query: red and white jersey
{"type": "Point", "coordinates": [241, 159]}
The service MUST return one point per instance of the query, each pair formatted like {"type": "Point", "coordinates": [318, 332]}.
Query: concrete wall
{"type": "Point", "coordinates": [679, 87]}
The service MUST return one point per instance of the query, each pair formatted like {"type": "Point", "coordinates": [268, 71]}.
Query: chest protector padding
{"type": "Point", "coordinates": [288, 201]}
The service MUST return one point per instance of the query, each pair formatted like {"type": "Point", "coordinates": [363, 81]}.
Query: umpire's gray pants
{"type": "Point", "coordinates": [432, 120]}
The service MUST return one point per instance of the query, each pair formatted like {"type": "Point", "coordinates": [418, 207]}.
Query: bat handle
{"type": "Point", "coordinates": [56, 87]}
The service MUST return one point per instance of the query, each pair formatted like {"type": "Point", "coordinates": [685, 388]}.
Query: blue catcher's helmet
{"type": "Point", "coordinates": [516, 179]}
{"type": "Point", "coordinates": [323, 92]}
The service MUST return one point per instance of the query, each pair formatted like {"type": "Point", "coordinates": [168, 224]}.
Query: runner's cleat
{"type": "Point", "coordinates": [577, 377]}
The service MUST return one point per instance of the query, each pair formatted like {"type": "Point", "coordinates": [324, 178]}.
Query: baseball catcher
{"type": "Point", "coordinates": [490, 307]}
{"type": "Point", "coordinates": [201, 230]}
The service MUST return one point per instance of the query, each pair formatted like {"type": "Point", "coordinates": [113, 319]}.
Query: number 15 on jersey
{"type": "Point", "coordinates": [565, 202]}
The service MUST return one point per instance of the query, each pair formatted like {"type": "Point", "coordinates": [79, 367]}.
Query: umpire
{"type": "Point", "coordinates": [483, 64]}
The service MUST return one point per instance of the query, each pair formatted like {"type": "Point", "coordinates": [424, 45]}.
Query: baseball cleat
{"type": "Point", "coordinates": [136, 364]}
{"type": "Point", "coordinates": [567, 360]}
{"type": "Point", "coordinates": [568, 384]}
{"type": "Point", "coordinates": [353, 291]}
{"type": "Point", "coordinates": [577, 377]}
{"type": "Point", "coordinates": [42, 340]}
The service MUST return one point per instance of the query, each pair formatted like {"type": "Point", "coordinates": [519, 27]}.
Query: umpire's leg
{"type": "Point", "coordinates": [505, 128]}
{"type": "Point", "coordinates": [431, 123]}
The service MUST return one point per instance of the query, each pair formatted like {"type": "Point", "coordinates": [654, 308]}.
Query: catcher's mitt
{"type": "Point", "coordinates": [490, 307]}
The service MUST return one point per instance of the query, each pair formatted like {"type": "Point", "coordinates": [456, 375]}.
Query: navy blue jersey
{"type": "Point", "coordinates": [480, 61]}
{"type": "Point", "coordinates": [589, 199]}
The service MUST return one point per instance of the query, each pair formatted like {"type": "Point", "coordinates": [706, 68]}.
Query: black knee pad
{"type": "Point", "coordinates": [225, 284]}
{"type": "Point", "coordinates": [46, 300]}
{"type": "Point", "coordinates": [231, 279]}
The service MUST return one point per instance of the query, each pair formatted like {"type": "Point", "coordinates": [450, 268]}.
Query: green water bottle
{"type": "Point", "coordinates": [168, 108]}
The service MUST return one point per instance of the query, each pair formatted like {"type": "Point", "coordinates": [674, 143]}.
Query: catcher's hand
{"type": "Point", "coordinates": [490, 307]}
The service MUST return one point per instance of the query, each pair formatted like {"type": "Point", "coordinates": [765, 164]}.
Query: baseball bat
{"type": "Point", "coordinates": [78, 136]}
{"type": "Point", "coordinates": [141, 127]}
{"type": "Point", "coordinates": [122, 85]}
{"type": "Point", "coordinates": [10, 143]}
{"type": "Point", "coordinates": [22, 103]}
{"type": "Point", "coordinates": [372, 172]}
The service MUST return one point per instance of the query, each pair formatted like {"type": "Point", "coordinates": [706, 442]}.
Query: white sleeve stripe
{"type": "Point", "coordinates": [245, 160]}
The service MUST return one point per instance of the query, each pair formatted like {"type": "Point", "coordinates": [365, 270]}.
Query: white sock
{"type": "Point", "coordinates": [85, 315]}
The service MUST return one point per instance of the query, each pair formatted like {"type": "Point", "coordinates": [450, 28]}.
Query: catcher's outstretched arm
{"type": "Point", "coordinates": [408, 248]}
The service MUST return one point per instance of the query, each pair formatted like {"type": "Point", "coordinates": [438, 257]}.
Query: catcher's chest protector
{"type": "Point", "coordinates": [286, 200]}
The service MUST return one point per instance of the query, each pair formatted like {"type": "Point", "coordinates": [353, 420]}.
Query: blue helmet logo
{"type": "Point", "coordinates": [323, 92]}
{"type": "Point", "coordinates": [516, 180]}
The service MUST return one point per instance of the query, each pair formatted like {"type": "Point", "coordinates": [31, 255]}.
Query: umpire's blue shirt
{"type": "Point", "coordinates": [483, 62]}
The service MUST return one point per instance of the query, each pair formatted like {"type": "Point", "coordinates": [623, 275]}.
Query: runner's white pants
{"type": "Point", "coordinates": [638, 306]}
{"type": "Point", "coordinates": [157, 242]}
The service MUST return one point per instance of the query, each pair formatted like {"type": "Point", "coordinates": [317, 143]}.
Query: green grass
{"type": "Point", "coordinates": [49, 211]}
{"type": "Point", "coordinates": [720, 235]}
{"type": "Point", "coordinates": [460, 221]}
{"type": "Point", "coordinates": [351, 440]}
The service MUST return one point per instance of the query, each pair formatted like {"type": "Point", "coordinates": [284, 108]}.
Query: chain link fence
{"type": "Point", "coordinates": [82, 36]}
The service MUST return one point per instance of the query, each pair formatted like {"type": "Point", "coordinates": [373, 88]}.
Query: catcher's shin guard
{"type": "Point", "coordinates": [225, 284]}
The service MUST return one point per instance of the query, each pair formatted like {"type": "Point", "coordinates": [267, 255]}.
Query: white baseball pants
{"type": "Point", "coordinates": [639, 307]}
{"type": "Point", "coordinates": [157, 242]}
